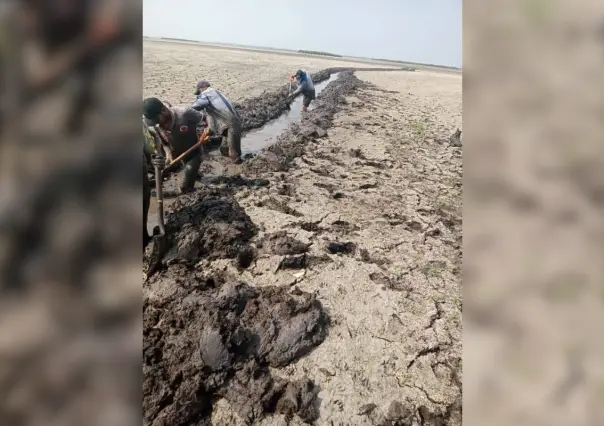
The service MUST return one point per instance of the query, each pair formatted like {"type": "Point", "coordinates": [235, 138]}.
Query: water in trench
{"type": "Point", "coordinates": [256, 140]}
{"type": "Point", "coordinates": [252, 142]}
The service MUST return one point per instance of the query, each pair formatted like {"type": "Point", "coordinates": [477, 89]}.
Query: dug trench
{"type": "Point", "coordinates": [208, 335]}
{"type": "Point", "coordinates": [264, 118]}
{"type": "Point", "coordinates": [231, 314]}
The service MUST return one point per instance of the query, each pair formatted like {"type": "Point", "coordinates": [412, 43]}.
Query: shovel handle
{"type": "Point", "coordinates": [187, 152]}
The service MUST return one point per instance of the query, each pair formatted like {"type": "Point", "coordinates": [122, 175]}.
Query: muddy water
{"type": "Point", "coordinates": [258, 139]}
{"type": "Point", "coordinates": [252, 142]}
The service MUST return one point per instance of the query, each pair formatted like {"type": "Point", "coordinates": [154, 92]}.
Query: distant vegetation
{"type": "Point", "coordinates": [314, 52]}
{"type": "Point", "coordinates": [179, 39]}
{"type": "Point", "coordinates": [415, 63]}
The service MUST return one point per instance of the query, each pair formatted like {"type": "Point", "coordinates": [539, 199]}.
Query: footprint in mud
{"type": "Point", "coordinates": [356, 153]}
{"type": "Point", "coordinates": [301, 261]}
{"type": "Point", "coordinates": [321, 171]}
{"type": "Point", "coordinates": [327, 186]}
{"type": "Point", "coordinates": [309, 226]}
{"type": "Point", "coordinates": [387, 282]}
{"type": "Point", "coordinates": [286, 190]}
{"type": "Point", "coordinates": [281, 206]}
{"type": "Point", "coordinates": [368, 185]}
{"type": "Point", "coordinates": [207, 339]}
{"type": "Point", "coordinates": [373, 258]}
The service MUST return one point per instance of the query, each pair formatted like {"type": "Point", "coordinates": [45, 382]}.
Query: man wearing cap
{"type": "Point", "coordinates": [305, 86]}
{"type": "Point", "coordinates": [181, 125]}
{"type": "Point", "coordinates": [221, 117]}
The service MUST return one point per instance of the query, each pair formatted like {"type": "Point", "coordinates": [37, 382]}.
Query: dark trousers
{"type": "Point", "coordinates": [190, 172]}
{"type": "Point", "coordinates": [231, 143]}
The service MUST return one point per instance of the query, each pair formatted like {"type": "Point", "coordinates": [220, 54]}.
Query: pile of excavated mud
{"type": "Point", "coordinates": [255, 112]}
{"type": "Point", "coordinates": [206, 339]}
{"type": "Point", "coordinates": [207, 224]}
{"type": "Point", "coordinates": [293, 142]}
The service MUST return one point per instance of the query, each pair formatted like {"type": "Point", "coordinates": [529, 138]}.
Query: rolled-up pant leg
{"type": "Point", "coordinates": [191, 172]}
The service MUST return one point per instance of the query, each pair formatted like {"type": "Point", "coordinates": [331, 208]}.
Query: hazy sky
{"type": "Point", "coordinates": [428, 31]}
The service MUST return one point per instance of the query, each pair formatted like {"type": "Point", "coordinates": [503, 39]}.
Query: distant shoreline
{"type": "Point", "coordinates": [306, 53]}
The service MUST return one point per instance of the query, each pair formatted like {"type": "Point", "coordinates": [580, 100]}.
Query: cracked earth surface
{"type": "Point", "coordinates": [387, 182]}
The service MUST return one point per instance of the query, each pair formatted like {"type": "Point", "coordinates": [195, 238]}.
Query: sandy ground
{"type": "Point", "coordinates": [387, 180]}
{"type": "Point", "coordinates": [172, 69]}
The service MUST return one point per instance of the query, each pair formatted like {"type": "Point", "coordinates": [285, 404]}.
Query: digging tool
{"type": "Point", "coordinates": [180, 158]}
{"type": "Point", "coordinates": [170, 167]}
{"type": "Point", "coordinates": [289, 92]}
{"type": "Point", "coordinates": [160, 243]}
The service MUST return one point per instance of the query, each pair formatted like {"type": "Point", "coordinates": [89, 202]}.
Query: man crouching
{"type": "Point", "coordinates": [221, 118]}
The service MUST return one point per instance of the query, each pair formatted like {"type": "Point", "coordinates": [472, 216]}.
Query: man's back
{"type": "Point", "coordinates": [184, 128]}
{"type": "Point", "coordinates": [305, 81]}
{"type": "Point", "coordinates": [218, 107]}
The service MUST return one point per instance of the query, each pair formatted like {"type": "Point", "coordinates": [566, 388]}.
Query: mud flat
{"type": "Point", "coordinates": [321, 284]}
{"type": "Point", "coordinates": [171, 70]}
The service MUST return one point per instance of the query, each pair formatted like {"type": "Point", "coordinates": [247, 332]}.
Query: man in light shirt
{"type": "Point", "coordinates": [221, 118]}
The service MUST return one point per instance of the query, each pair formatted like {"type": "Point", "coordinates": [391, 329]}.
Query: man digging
{"type": "Point", "coordinates": [221, 118]}
{"type": "Point", "coordinates": [305, 86]}
{"type": "Point", "coordinates": [180, 126]}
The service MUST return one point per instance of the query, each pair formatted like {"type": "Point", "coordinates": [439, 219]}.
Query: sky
{"type": "Point", "coordinates": [425, 31]}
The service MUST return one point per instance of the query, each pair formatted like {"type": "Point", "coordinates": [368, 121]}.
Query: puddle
{"type": "Point", "coordinates": [256, 140]}
{"type": "Point", "coordinates": [252, 142]}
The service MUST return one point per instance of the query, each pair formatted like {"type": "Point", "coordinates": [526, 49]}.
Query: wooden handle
{"type": "Point", "coordinates": [187, 152]}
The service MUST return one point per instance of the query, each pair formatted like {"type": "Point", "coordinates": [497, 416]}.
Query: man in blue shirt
{"type": "Point", "coordinates": [305, 86]}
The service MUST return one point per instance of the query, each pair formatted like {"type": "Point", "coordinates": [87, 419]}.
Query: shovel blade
{"type": "Point", "coordinates": [159, 248]}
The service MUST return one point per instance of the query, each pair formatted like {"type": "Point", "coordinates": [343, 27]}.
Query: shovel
{"type": "Point", "coordinates": [165, 170]}
{"type": "Point", "coordinates": [160, 242]}
{"type": "Point", "coordinates": [289, 92]}
{"type": "Point", "coordinates": [185, 154]}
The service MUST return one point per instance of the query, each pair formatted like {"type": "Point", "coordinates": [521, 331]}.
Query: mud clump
{"type": "Point", "coordinates": [280, 243]}
{"type": "Point", "coordinates": [301, 261]}
{"type": "Point", "coordinates": [388, 283]}
{"type": "Point", "coordinates": [341, 248]}
{"type": "Point", "coordinates": [245, 257]}
{"type": "Point", "coordinates": [407, 414]}
{"type": "Point", "coordinates": [207, 340]}
{"type": "Point", "coordinates": [207, 224]}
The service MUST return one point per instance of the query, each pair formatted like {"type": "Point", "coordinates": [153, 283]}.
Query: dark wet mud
{"type": "Point", "coordinates": [207, 224]}
{"type": "Point", "coordinates": [206, 339]}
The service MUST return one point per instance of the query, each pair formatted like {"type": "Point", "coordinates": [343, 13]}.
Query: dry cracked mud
{"type": "Point", "coordinates": [347, 307]}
